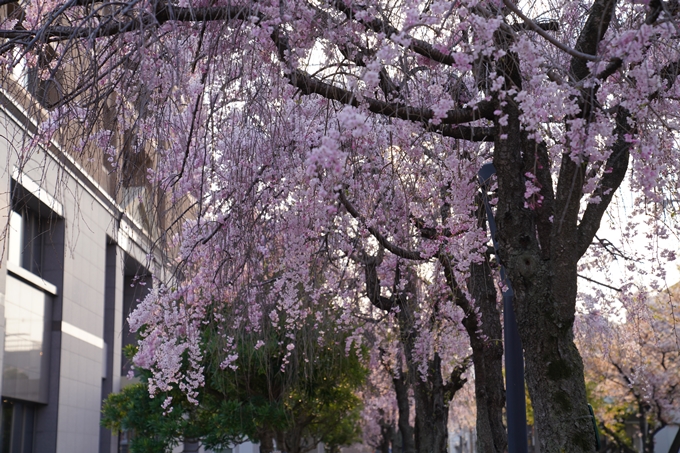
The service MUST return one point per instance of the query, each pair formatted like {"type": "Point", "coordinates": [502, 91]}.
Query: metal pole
{"type": "Point", "coordinates": [514, 360]}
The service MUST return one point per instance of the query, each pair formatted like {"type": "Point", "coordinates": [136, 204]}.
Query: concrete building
{"type": "Point", "coordinates": [74, 262]}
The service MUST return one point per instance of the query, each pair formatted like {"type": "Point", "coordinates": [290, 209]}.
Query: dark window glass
{"type": "Point", "coordinates": [27, 240]}
{"type": "Point", "coordinates": [18, 420]}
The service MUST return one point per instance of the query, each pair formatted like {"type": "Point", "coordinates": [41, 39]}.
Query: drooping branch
{"type": "Point", "coordinates": [540, 30]}
{"type": "Point", "coordinates": [379, 26]}
{"type": "Point", "coordinates": [302, 80]}
{"type": "Point", "coordinates": [398, 251]}
{"type": "Point", "coordinates": [373, 286]}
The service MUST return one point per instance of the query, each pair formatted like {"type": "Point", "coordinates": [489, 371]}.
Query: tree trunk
{"type": "Point", "coordinates": [397, 441]}
{"type": "Point", "coordinates": [543, 277]}
{"type": "Point", "coordinates": [432, 397]}
{"type": "Point", "coordinates": [293, 440]}
{"type": "Point", "coordinates": [432, 410]}
{"type": "Point", "coordinates": [266, 442]}
{"type": "Point", "coordinates": [405, 429]}
{"type": "Point", "coordinates": [430, 416]}
{"type": "Point", "coordinates": [386, 432]}
{"type": "Point", "coordinates": [487, 350]}
{"type": "Point", "coordinates": [554, 373]}
{"type": "Point", "coordinates": [487, 358]}
{"type": "Point", "coordinates": [281, 442]}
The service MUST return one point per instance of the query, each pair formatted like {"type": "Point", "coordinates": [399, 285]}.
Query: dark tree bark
{"type": "Point", "coordinates": [487, 356]}
{"type": "Point", "coordinates": [432, 406]}
{"type": "Point", "coordinates": [405, 429]}
{"type": "Point", "coordinates": [386, 434]}
{"type": "Point", "coordinates": [541, 247]}
{"type": "Point", "coordinates": [266, 442]}
{"type": "Point", "coordinates": [545, 295]}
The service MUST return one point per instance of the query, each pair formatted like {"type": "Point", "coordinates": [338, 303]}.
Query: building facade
{"type": "Point", "coordinates": [75, 262]}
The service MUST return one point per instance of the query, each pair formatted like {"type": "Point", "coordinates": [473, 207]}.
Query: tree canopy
{"type": "Point", "coordinates": [331, 147]}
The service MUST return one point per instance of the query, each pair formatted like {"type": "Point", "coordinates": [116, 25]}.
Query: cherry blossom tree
{"type": "Point", "coordinates": [633, 363]}
{"type": "Point", "coordinates": [412, 375]}
{"type": "Point", "coordinates": [306, 138]}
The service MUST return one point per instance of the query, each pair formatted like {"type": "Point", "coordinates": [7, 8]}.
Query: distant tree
{"type": "Point", "coordinates": [252, 400]}
{"type": "Point", "coordinates": [632, 365]}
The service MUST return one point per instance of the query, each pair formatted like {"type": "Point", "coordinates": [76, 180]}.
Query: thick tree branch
{"type": "Point", "coordinates": [572, 172]}
{"type": "Point", "coordinates": [300, 79]}
{"type": "Point", "coordinates": [616, 63]}
{"type": "Point", "coordinates": [430, 232]}
{"type": "Point", "coordinates": [537, 162]}
{"type": "Point", "coordinates": [469, 133]}
{"type": "Point", "coordinates": [547, 25]}
{"type": "Point", "coordinates": [458, 297]}
{"type": "Point", "coordinates": [669, 74]}
{"type": "Point", "coordinates": [391, 90]}
{"type": "Point", "coordinates": [456, 380]}
{"type": "Point", "coordinates": [311, 85]}
{"type": "Point", "coordinates": [308, 84]}
{"type": "Point", "coordinates": [610, 69]}
{"type": "Point", "coordinates": [615, 170]}
{"type": "Point", "coordinates": [593, 31]}
{"type": "Point", "coordinates": [112, 27]}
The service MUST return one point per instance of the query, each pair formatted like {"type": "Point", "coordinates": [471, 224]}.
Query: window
{"type": "Point", "coordinates": [34, 261]}
{"type": "Point", "coordinates": [27, 239]}
{"type": "Point", "coordinates": [41, 81]}
{"type": "Point", "coordinates": [25, 365]}
{"type": "Point", "coordinates": [18, 420]}
{"type": "Point", "coordinates": [34, 226]}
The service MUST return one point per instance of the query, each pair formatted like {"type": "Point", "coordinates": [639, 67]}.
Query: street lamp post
{"type": "Point", "coordinates": [514, 359]}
